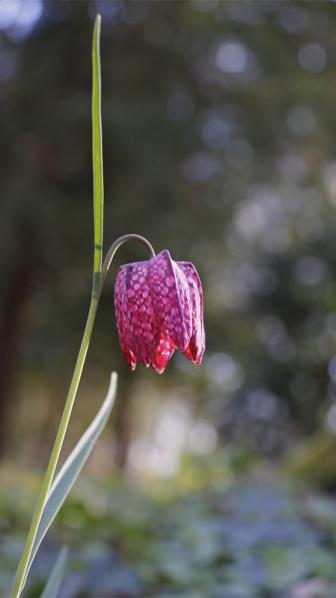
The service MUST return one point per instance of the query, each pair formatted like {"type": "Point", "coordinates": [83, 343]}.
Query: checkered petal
{"type": "Point", "coordinates": [138, 329]}
{"type": "Point", "coordinates": [196, 347]}
{"type": "Point", "coordinates": [171, 300]}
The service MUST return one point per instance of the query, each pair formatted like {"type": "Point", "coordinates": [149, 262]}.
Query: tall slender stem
{"type": "Point", "coordinates": [47, 481]}
{"type": "Point", "coordinates": [97, 158]}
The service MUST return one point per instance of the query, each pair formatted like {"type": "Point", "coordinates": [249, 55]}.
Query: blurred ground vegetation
{"type": "Point", "coordinates": [241, 538]}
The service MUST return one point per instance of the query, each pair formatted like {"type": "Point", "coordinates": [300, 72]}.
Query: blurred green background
{"type": "Point", "coordinates": [220, 145]}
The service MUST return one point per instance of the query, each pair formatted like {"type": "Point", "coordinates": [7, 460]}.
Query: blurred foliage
{"type": "Point", "coordinates": [252, 537]}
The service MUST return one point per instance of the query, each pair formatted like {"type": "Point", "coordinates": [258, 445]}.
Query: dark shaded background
{"type": "Point", "coordinates": [219, 144]}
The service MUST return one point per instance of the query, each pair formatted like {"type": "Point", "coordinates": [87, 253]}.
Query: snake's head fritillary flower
{"type": "Point", "coordinates": [159, 308]}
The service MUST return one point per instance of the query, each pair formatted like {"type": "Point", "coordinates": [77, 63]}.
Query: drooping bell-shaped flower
{"type": "Point", "coordinates": [159, 308]}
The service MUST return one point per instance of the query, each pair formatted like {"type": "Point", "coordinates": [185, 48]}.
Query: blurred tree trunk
{"type": "Point", "coordinates": [19, 289]}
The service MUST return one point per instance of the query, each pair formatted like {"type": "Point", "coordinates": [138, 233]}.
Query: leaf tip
{"type": "Point", "coordinates": [114, 378]}
{"type": "Point", "coordinates": [98, 21]}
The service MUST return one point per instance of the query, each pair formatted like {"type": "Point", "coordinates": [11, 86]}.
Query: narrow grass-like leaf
{"type": "Point", "coordinates": [72, 467]}
{"type": "Point", "coordinates": [97, 156]}
{"type": "Point", "coordinates": [55, 579]}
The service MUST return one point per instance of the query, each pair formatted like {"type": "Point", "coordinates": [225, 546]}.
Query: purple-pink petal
{"type": "Point", "coordinates": [171, 299]}
{"type": "Point", "coordinates": [196, 347]}
{"type": "Point", "coordinates": [137, 326]}
{"type": "Point", "coordinates": [120, 303]}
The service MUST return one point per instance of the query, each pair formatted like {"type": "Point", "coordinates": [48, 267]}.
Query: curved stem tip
{"type": "Point", "coordinates": [114, 247]}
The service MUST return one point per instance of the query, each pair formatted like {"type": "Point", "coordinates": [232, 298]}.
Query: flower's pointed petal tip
{"type": "Point", "coordinates": [195, 357]}
{"type": "Point", "coordinates": [130, 359]}
{"type": "Point", "coordinates": [164, 351]}
{"type": "Point", "coordinates": [131, 364]}
{"type": "Point", "coordinates": [157, 369]}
